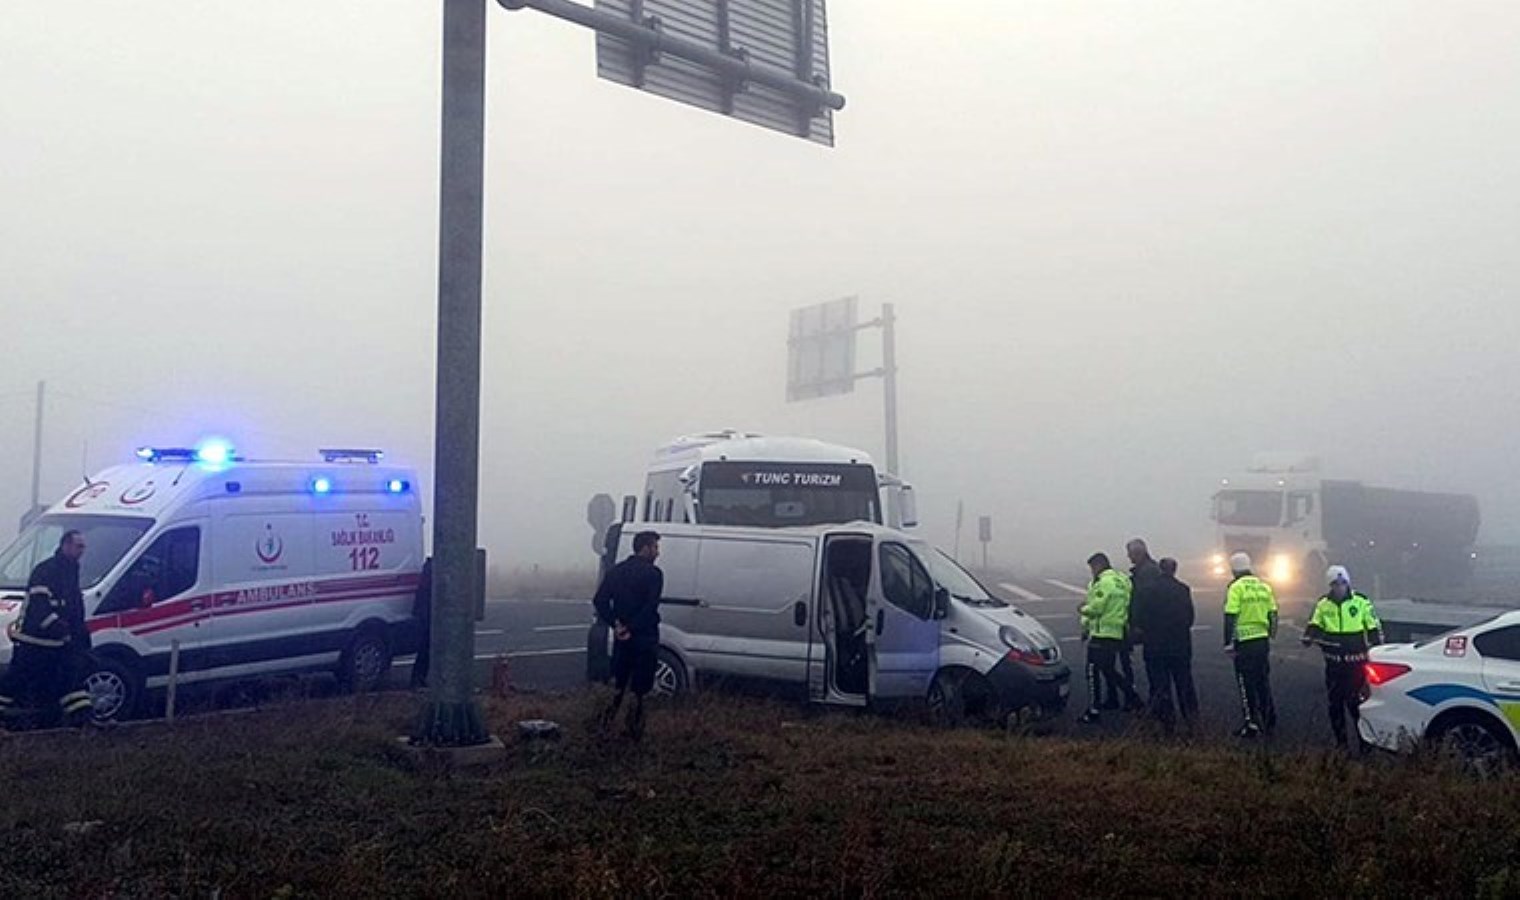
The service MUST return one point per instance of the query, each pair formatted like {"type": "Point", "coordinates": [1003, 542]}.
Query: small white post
{"type": "Point", "coordinates": [173, 680]}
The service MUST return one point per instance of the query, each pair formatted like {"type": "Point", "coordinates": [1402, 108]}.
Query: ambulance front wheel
{"type": "Point", "coordinates": [115, 687]}
{"type": "Point", "coordinates": [366, 662]}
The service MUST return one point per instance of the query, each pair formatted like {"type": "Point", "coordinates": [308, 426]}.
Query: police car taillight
{"type": "Point", "coordinates": [1384, 672]}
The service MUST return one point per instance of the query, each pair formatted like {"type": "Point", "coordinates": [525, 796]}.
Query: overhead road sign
{"type": "Point", "coordinates": [821, 350]}
{"type": "Point", "coordinates": [760, 61]}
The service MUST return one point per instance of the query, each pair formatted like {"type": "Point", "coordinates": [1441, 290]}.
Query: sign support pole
{"type": "Point", "coordinates": [889, 383]}
{"type": "Point", "coordinates": [451, 717]}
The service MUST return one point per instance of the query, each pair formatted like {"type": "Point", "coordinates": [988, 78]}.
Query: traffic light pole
{"type": "Point", "coordinates": [450, 717]}
{"type": "Point", "coordinates": [37, 450]}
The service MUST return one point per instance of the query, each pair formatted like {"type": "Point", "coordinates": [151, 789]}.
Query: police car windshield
{"type": "Point", "coordinates": [948, 574]}
{"type": "Point", "coordinates": [106, 538]}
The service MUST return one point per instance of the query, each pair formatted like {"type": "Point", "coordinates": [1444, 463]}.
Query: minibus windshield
{"type": "Point", "coordinates": [948, 574]}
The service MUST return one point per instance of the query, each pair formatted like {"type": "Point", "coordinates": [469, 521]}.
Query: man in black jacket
{"type": "Point", "coordinates": [1165, 628]}
{"type": "Point", "coordinates": [52, 642]}
{"type": "Point", "coordinates": [1144, 576]}
{"type": "Point", "coordinates": [628, 602]}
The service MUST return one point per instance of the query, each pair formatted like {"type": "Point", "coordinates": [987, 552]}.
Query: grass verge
{"type": "Point", "coordinates": [725, 797]}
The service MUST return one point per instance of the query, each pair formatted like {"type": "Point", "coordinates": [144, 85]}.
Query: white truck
{"type": "Point", "coordinates": [1294, 523]}
{"type": "Point", "coordinates": [753, 480]}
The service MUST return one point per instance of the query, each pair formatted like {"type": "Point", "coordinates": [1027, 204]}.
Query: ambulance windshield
{"type": "Point", "coordinates": [107, 539]}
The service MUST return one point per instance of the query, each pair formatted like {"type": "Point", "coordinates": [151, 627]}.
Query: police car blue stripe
{"type": "Point", "coordinates": [1436, 694]}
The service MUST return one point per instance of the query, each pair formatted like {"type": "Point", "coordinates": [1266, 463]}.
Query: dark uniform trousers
{"type": "Point", "coordinates": [1253, 674]}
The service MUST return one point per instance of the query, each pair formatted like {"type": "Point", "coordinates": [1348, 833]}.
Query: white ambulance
{"type": "Point", "coordinates": [253, 568]}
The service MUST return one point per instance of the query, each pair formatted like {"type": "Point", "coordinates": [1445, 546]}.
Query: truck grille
{"type": "Point", "coordinates": [1252, 545]}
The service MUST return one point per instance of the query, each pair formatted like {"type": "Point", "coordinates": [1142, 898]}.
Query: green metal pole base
{"type": "Point", "coordinates": [443, 724]}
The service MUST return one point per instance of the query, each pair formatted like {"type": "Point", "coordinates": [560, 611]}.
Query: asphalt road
{"type": "Point", "coordinates": [543, 642]}
{"type": "Point", "coordinates": [1297, 671]}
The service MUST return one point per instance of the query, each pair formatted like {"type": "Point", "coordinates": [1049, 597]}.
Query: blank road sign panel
{"type": "Point", "coordinates": [791, 35]}
{"type": "Point", "coordinates": [821, 350]}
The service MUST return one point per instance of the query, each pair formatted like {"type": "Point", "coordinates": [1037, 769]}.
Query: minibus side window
{"type": "Point", "coordinates": [905, 583]}
{"type": "Point", "coordinates": [168, 568]}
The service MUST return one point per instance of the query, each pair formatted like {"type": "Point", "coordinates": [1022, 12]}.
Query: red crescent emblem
{"type": "Point", "coordinates": [87, 494]}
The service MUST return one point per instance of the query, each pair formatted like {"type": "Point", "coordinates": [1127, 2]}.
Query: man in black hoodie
{"type": "Point", "coordinates": [628, 603]}
{"type": "Point", "coordinates": [1144, 575]}
{"type": "Point", "coordinates": [1165, 627]}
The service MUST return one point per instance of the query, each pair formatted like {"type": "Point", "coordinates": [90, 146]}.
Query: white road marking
{"type": "Point", "coordinates": [578, 626]}
{"type": "Point", "coordinates": [1070, 640]}
{"type": "Point", "coordinates": [486, 632]}
{"type": "Point", "coordinates": [522, 653]}
{"type": "Point", "coordinates": [1081, 592]}
{"type": "Point", "coordinates": [1022, 594]}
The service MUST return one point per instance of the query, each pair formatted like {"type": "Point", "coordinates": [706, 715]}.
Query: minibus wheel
{"type": "Point", "coordinates": [669, 675]}
{"type": "Point", "coordinates": [947, 702]}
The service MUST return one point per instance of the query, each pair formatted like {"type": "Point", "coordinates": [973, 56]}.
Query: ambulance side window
{"type": "Point", "coordinates": [169, 567]}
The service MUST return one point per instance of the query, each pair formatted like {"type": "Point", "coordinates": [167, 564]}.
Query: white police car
{"type": "Point", "coordinates": [1460, 689]}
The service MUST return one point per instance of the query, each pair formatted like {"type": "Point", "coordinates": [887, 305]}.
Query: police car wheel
{"type": "Point", "coordinates": [1479, 745]}
{"type": "Point", "coordinates": [366, 662]}
{"type": "Point", "coordinates": [669, 675]}
{"type": "Point", "coordinates": [114, 690]}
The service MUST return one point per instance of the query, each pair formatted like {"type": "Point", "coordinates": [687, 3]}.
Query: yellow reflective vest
{"type": "Point", "coordinates": [1251, 601]}
{"type": "Point", "coordinates": [1106, 612]}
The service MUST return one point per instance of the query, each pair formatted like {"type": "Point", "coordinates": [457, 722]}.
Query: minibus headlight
{"type": "Point", "coordinates": [1019, 646]}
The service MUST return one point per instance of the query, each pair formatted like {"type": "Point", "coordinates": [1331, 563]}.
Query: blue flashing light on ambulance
{"type": "Point", "coordinates": [251, 568]}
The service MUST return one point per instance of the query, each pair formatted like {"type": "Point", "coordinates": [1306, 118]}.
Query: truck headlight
{"type": "Point", "coordinates": [1282, 568]}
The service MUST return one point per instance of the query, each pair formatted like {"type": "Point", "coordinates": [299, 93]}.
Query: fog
{"type": "Point", "coordinates": [1129, 245]}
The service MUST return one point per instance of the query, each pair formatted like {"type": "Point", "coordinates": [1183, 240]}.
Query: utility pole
{"type": "Point", "coordinates": [37, 448]}
{"type": "Point", "coordinates": [451, 717]}
{"type": "Point", "coordinates": [960, 518]}
{"type": "Point", "coordinates": [889, 383]}
{"type": "Point", "coordinates": [631, 49]}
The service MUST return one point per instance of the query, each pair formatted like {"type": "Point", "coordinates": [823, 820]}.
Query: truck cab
{"type": "Point", "coordinates": [1272, 512]}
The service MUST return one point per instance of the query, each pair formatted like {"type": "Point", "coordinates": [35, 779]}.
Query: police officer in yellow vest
{"type": "Point", "coordinates": [1345, 626]}
{"type": "Point", "coordinates": [1105, 620]}
{"type": "Point", "coordinates": [1250, 623]}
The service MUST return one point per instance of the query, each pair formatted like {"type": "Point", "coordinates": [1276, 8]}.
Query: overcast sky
{"type": "Point", "coordinates": [1129, 245]}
